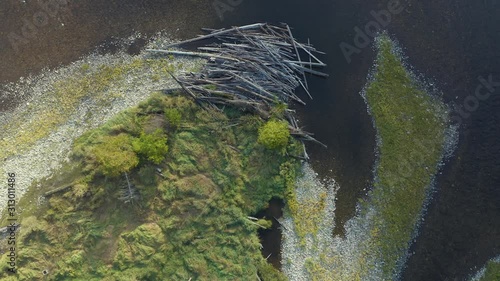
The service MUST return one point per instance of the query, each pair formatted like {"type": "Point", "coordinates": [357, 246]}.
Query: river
{"type": "Point", "coordinates": [451, 42]}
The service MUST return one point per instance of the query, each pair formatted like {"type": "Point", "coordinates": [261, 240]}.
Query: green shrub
{"type": "Point", "coordinates": [174, 117]}
{"type": "Point", "coordinates": [278, 111]}
{"type": "Point", "coordinates": [114, 155]}
{"type": "Point", "coordinates": [274, 134]}
{"type": "Point", "coordinates": [152, 146]}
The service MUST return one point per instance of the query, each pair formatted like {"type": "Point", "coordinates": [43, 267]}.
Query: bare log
{"type": "Point", "coordinates": [58, 189]}
{"type": "Point", "coordinates": [298, 58]}
{"type": "Point", "coordinates": [202, 55]}
{"type": "Point", "coordinates": [300, 67]}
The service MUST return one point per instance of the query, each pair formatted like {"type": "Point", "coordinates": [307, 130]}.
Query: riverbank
{"type": "Point", "coordinates": [58, 106]}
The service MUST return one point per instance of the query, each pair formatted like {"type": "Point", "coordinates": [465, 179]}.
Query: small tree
{"type": "Point", "coordinates": [174, 117]}
{"type": "Point", "coordinates": [114, 155]}
{"type": "Point", "coordinates": [274, 134]}
{"type": "Point", "coordinates": [152, 146]}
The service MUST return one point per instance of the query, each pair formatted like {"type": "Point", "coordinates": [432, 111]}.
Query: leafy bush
{"type": "Point", "coordinates": [274, 134]}
{"type": "Point", "coordinates": [152, 146]}
{"type": "Point", "coordinates": [114, 155]}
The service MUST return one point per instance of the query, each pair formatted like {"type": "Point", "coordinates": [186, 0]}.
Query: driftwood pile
{"type": "Point", "coordinates": [251, 67]}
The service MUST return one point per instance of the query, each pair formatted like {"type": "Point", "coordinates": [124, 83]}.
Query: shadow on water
{"type": "Point", "coordinates": [271, 238]}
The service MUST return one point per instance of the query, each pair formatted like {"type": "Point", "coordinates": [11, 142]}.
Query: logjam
{"type": "Point", "coordinates": [250, 67]}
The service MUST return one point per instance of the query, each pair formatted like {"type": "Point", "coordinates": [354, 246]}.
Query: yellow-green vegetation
{"type": "Point", "coordinates": [411, 126]}
{"type": "Point", "coordinates": [173, 117]}
{"type": "Point", "coordinates": [196, 185]}
{"type": "Point", "coordinates": [151, 146]}
{"type": "Point", "coordinates": [492, 272]}
{"type": "Point", "coordinates": [65, 95]}
{"type": "Point", "coordinates": [307, 213]}
{"type": "Point", "coordinates": [274, 134]}
{"type": "Point", "coordinates": [113, 155]}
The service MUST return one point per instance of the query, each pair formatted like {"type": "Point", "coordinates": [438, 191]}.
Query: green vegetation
{"type": "Point", "coordinates": [174, 117]}
{"type": "Point", "coordinates": [274, 134]}
{"type": "Point", "coordinates": [113, 155]}
{"type": "Point", "coordinates": [190, 219]}
{"type": "Point", "coordinates": [492, 272]}
{"type": "Point", "coordinates": [152, 146]}
{"type": "Point", "coordinates": [411, 126]}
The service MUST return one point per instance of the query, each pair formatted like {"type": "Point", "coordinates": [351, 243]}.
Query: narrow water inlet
{"type": "Point", "coordinates": [271, 238]}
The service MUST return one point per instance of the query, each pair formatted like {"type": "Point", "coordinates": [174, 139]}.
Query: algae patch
{"type": "Point", "coordinates": [411, 126]}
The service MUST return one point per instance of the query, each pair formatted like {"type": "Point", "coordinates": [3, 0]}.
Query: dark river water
{"type": "Point", "coordinates": [451, 42]}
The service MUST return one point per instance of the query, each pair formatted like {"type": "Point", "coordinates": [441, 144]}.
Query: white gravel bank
{"type": "Point", "coordinates": [295, 255]}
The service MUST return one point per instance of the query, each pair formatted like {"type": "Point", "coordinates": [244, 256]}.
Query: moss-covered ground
{"type": "Point", "coordinates": [411, 125]}
{"type": "Point", "coordinates": [190, 220]}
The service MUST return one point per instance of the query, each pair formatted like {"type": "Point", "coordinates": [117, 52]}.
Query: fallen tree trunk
{"type": "Point", "coordinates": [58, 189]}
